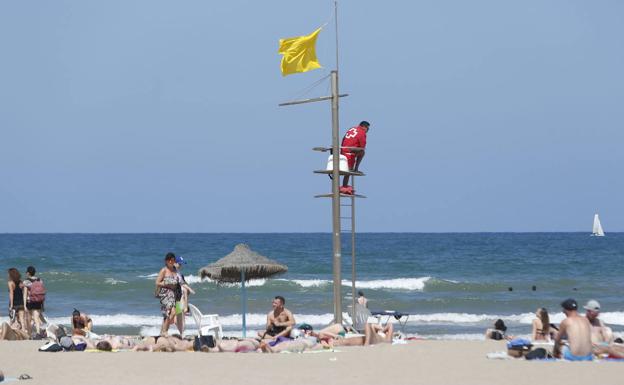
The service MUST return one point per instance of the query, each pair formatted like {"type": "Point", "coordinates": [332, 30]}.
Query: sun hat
{"type": "Point", "coordinates": [569, 304]}
{"type": "Point", "coordinates": [592, 305]}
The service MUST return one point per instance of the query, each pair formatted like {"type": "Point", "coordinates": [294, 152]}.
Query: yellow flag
{"type": "Point", "coordinates": [299, 53]}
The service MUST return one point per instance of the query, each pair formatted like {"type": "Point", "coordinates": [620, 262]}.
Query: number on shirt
{"type": "Point", "coordinates": [351, 133]}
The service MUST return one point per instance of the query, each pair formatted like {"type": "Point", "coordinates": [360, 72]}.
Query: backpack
{"type": "Point", "coordinates": [37, 291]}
{"type": "Point", "coordinates": [538, 354]}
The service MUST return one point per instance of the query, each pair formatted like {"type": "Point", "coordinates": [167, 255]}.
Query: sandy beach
{"type": "Point", "coordinates": [419, 362]}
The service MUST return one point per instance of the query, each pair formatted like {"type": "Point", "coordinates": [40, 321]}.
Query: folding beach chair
{"type": "Point", "coordinates": [206, 323]}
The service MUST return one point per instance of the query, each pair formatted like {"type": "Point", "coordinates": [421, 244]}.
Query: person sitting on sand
{"type": "Point", "coordinates": [81, 323]}
{"type": "Point", "coordinates": [541, 326]}
{"type": "Point", "coordinates": [577, 331]}
{"type": "Point", "coordinates": [600, 333]}
{"type": "Point", "coordinates": [12, 332]}
{"type": "Point", "coordinates": [499, 331]}
{"type": "Point", "coordinates": [280, 320]}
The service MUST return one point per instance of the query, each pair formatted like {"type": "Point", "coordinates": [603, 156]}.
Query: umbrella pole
{"type": "Point", "coordinates": [244, 304]}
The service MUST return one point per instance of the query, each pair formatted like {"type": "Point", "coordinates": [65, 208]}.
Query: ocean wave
{"type": "Point", "coordinates": [153, 275]}
{"type": "Point", "coordinates": [415, 284]}
{"type": "Point", "coordinates": [113, 281]}
{"type": "Point", "coordinates": [231, 320]}
{"type": "Point", "coordinates": [317, 320]}
{"type": "Point", "coordinates": [192, 279]}
{"type": "Point", "coordinates": [307, 282]}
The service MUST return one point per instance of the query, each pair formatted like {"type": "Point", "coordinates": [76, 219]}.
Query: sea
{"type": "Point", "coordinates": [453, 286]}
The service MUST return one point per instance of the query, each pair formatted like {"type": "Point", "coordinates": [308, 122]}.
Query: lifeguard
{"type": "Point", "coordinates": [354, 137]}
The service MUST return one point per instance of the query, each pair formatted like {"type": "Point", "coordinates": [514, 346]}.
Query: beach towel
{"type": "Point", "coordinates": [279, 340]}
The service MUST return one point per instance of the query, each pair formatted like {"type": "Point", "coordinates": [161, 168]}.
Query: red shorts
{"type": "Point", "coordinates": [350, 159]}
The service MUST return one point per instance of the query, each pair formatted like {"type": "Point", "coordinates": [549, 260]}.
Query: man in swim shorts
{"type": "Point", "coordinates": [577, 331]}
{"type": "Point", "coordinates": [280, 320]}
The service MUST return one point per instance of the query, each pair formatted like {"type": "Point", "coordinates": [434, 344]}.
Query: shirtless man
{"type": "Point", "coordinates": [81, 323]}
{"type": "Point", "coordinates": [577, 330]}
{"type": "Point", "coordinates": [600, 334]}
{"type": "Point", "coordinates": [280, 320]}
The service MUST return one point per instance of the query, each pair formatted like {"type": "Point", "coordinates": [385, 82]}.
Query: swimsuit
{"type": "Point", "coordinates": [18, 298]}
{"type": "Point", "coordinates": [275, 330]}
{"type": "Point", "coordinates": [167, 295]}
{"type": "Point", "coordinates": [567, 355]}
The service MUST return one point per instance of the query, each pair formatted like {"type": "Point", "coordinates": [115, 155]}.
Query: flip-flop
{"type": "Point", "coordinates": [24, 377]}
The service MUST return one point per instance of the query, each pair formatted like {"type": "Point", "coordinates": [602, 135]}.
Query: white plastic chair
{"type": "Point", "coordinates": [206, 323]}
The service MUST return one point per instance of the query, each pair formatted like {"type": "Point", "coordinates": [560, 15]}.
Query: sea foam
{"type": "Point", "coordinates": [413, 284]}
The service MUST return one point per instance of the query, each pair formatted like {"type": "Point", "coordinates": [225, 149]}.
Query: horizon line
{"type": "Point", "coordinates": [307, 232]}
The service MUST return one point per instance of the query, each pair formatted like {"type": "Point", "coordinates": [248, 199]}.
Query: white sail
{"type": "Point", "coordinates": [597, 231]}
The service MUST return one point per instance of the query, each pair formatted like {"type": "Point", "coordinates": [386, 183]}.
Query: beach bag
{"type": "Point", "coordinates": [203, 342]}
{"type": "Point", "coordinates": [36, 291]}
{"type": "Point", "coordinates": [537, 354]}
{"type": "Point", "coordinates": [51, 347]}
{"type": "Point", "coordinates": [518, 347]}
{"type": "Point", "coordinates": [67, 344]}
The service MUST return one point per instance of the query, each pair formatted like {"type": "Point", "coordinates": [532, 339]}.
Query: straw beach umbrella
{"type": "Point", "coordinates": [242, 264]}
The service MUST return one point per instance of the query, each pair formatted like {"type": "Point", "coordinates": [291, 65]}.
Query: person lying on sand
{"type": "Point", "coordinates": [377, 333]}
{"type": "Point", "coordinates": [173, 343]}
{"type": "Point", "coordinates": [238, 346]}
{"type": "Point", "coordinates": [577, 331]}
{"type": "Point", "coordinates": [613, 350]}
{"type": "Point", "coordinates": [13, 332]}
{"type": "Point", "coordinates": [298, 345]}
{"type": "Point", "coordinates": [114, 342]}
{"type": "Point", "coordinates": [280, 321]}
{"type": "Point", "coordinates": [337, 335]}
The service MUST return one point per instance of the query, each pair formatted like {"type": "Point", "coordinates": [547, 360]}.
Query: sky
{"type": "Point", "coordinates": [161, 116]}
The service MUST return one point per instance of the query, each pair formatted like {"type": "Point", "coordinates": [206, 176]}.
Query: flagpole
{"type": "Point", "coordinates": [337, 264]}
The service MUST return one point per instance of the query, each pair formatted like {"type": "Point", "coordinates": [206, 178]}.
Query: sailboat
{"type": "Point", "coordinates": [597, 231]}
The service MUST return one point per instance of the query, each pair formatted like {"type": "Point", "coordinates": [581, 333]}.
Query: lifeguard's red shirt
{"type": "Point", "coordinates": [354, 137]}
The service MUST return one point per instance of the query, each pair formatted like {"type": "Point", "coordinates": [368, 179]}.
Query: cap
{"type": "Point", "coordinates": [592, 305]}
{"type": "Point", "coordinates": [180, 260]}
{"type": "Point", "coordinates": [304, 326]}
{"type": "Point", "coordinates": [364, 123]}
{"type": "Point", "coordinates": [569, 304]}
